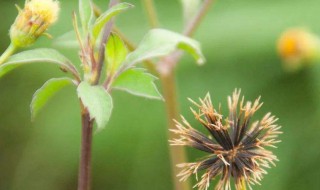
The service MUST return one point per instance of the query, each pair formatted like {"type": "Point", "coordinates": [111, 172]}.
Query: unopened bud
{"type": "Point", "coordinates": [298, 48]}
{"type": "Point", "coordinates": [33, 21]}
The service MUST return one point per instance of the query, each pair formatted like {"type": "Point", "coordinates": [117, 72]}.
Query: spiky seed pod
{"type": "Point", "coordinates": [236, 147]}
{"type": "Point", "coordinates": [33, 20]}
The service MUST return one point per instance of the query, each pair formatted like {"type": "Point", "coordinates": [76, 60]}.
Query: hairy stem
{"type": "Point", "coordinates": [85, 155]}
{"type": "Point", "coordinates": [7, 53]}
{"type": "Point", "coordinates": [151, 12]}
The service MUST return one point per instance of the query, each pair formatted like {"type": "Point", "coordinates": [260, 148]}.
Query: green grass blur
{"type": "Point", "coordinates": [238, 39]}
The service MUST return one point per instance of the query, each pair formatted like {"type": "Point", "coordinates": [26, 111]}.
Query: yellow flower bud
{"type": "Point", "coordinates": [33, 21]}
{"type": "Point", "coordinates": [298, 47]}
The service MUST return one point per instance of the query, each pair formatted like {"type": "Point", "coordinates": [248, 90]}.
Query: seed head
{"type": "Point", "coordinates": [33, 21]}
{"type": "Point", "coordinates": [235, 147]}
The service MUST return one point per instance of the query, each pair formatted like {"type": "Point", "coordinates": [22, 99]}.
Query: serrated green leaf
{"type": "Point", "coordinates": [115, 53]}
{"type": "Point", "coordinates": [86, 13]}
{"type": "Point", "coordinates": [43, 94]}
{"type": "Point", "coordinates": [137, 82]}
{"type": "Point", "coordinates": [41, 55]}
{"type": "Point", "coordinates": [160, 42]}
{"type": "Point", "coordinates": [106, 16]}
{"type": "Point", "coordinates": [190, 8]}
{"type": "Point", "coordinates": [98, 102]}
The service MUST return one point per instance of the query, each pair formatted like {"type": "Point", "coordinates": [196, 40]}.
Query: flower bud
{"type": "Point", "coordinates": [298, 48]}
{"type": "Point", "coordinates": [33, 21]}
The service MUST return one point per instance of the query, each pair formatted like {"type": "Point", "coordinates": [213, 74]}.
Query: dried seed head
{"type": "Point", "coordinates": [33, 21]}
{"type": "Point", "coordinates": [237, 147]}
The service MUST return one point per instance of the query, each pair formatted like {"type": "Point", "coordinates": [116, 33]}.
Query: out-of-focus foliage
{"type": "Point", "coordinates": [239, 41]}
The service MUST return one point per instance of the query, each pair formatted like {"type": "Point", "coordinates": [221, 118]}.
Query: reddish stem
{"type": "Point", "coordinates": [84, 177]}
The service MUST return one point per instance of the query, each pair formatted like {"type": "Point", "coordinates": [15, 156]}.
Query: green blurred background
{"type": "Point", "coordinates": [238, 39]}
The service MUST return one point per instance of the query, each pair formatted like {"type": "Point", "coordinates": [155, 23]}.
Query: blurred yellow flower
{"type": "Point", "coordinates": [298, 47]}
{"type": "Point", "coordinates": [33, 21]}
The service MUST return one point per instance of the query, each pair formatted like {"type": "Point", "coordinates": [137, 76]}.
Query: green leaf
{"type": "Point", "coordinates": [190, 8]}
{"type": "Point", "coordinates": [106, 16]}
{"type": "Point", "coordinates": [43, 94]}
{"type": "Point", "coordinates": [137, 82]}
{"type": "Point", "coordinates": [160, 42]}
{"type": "Point", "coordinates": [86, 13]}
{"type": "Point", "coordinates": [41, 55]}
{"type": "Point", "coordinates": [98, 102]}
{"type": "Point", "coordinates": [115, 53]}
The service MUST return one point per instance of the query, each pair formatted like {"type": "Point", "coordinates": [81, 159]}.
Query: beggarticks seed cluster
{"type": "Point", "coordinates": [236, 147]}
{"type": "Point", "coordinates": [33, 20]}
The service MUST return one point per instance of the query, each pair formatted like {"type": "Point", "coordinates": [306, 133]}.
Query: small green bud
{"type": "Point", "coordinates": [115, 53]}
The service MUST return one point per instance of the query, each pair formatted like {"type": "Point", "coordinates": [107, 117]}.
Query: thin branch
{"type": "Point", "coordinates": [152, 14]}
{"type": "Point", "coordinates": [76, 29]}
{"type": "Point", "coordinates": [195, 22]}
{"type": "Point", "coordinates": [106, 34]}
{"type": "Point", "coordinates": [73, 70]}
{"type": "Point", "coordinates": [169, 62]}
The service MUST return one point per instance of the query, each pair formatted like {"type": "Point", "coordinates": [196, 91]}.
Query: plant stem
{"type": "Point", "coordinates": [7, 53]}
{"type": "Point", "coordinates": [85, 155]}
{"type": "Point", "coordinates": [152, 14]}
{"type": "Point", "coordinates": [105, 37]}
{"type": "Point", "coordinates": [188, 31]}
{"type": "Point", "coordinates": [167, 77]}
{"type": "Point", "coordinates": [195, 22]}
{"type": "Point", "coordinates": [177, 153]}
{"type": "Point", "coordinates": [84, 177]}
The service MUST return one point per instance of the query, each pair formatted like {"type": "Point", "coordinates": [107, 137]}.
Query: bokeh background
{"type": "Point", "coordinates": [238, 39]}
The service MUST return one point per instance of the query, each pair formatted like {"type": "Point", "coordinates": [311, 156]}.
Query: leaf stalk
{"type": "Point", "coordinates": [7, 53]}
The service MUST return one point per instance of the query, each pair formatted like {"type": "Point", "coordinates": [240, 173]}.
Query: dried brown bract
{"type": "Point", "coordinates": [236, 147]}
